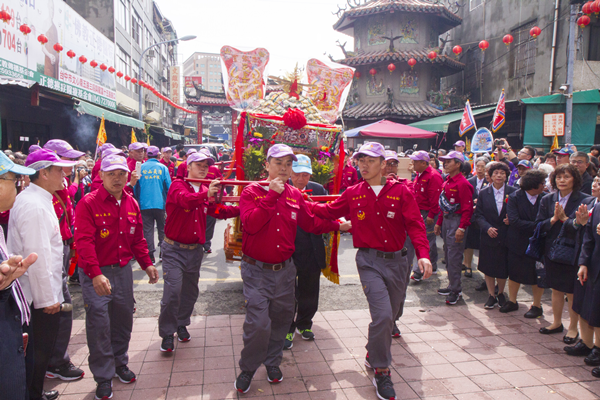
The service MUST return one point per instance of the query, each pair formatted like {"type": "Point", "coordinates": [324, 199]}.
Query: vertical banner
{"type": "Point", "coordinates": [329, 87]}
{"type": "Point", "coordinates": [174, 83]}
{"type": "Point", "coordinates": [244, 76]}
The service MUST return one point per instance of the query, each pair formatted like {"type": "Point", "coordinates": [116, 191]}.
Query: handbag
{"type": "Point", "coordinates": [446, 206]}
{"type": "Point", "coordinates": [563, 249]}
{"type": "Point", "coordinates": [536, 243]}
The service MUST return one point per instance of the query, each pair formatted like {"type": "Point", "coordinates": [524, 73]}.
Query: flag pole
{"type": "Point", "coordinates": [96, 152]}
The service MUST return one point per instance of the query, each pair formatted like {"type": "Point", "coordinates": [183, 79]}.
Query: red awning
{"type": "Point", "coordinates": [389, 129]}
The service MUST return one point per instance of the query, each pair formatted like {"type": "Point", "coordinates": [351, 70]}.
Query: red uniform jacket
{"type": "Point", "coordinates": [170, 165]}
{"type": "Point", "coordinates": [459, 191]}
{"type": "Point", "coordinates": [426, 188]}
{"type": "Point", "coordinates": [96, 168]}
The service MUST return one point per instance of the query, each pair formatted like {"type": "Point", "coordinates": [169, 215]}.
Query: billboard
{"type": "Point", "coordinates": [189, 79]}
{"type": "Point", "coordinates": [25, 57]}
{"type": "Point", "coordinates": [174, 83]}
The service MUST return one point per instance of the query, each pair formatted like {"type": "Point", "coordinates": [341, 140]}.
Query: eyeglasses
{"type": "Point", "coordinates": [15, 180]}
{"type": "Point", "coordinates": [577, 162]}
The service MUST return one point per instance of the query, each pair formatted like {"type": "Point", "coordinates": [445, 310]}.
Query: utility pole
{"type": "Point", "coordinates": [570, 65]}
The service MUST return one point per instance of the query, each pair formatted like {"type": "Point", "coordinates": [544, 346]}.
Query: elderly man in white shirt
{"type": "Point", "coordinates": [33, 228]}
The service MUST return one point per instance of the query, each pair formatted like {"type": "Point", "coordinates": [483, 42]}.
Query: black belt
{"type": "Point", "coordinates": [117, 265]}
{"type": "Point", "coordinates": [273, 267]}
{"type": "Point", "coordinates": [67, 242]}
{"type": "Point", "coordinates": [386, 255]}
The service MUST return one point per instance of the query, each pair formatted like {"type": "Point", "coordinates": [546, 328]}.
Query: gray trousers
{"type": "Point", "coordinates": [270, 303]}
{"type": "Point", "coordinates": [181, 271]}
{"type": "Point", "coordinates": [433, 252]}
{"type": "Point", "coordinates": [150, 216]}
{"type": "Point", "coordinates": [384, 283]}
{"type": "Point", "coordinates": [108, 321]}
{"type": "Point", "coordinates": [60, 355]}
{"type": "Point", "coordinates": [210, 231]}
{"type": "Point", "coordinates": [453, 252]}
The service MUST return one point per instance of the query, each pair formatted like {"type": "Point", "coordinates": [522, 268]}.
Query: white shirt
{"type": "Point", "coordinates": [562, 201]}
{"type": "Point", "coordinates": [532, 199]}
{"type": "Point", "coordinates": [499, 196]}
{"type": "Point", "coordinates": [377, 189]}
{"type": "Point", "coordinates": [33, 228]}
{"type": "Point", "coordinates": [480, 183]}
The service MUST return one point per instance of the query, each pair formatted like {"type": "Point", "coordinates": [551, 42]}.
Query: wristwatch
{"type": "Point", "coordinates": [461, 229]}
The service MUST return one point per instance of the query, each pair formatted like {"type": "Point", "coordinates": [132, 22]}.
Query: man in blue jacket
{"type": "Point", "coordinates": [151, 192]}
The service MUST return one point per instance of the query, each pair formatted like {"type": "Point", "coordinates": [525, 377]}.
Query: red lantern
{"type": "Point", "coordinates": [111, 69]}
{"type": "Point", "coordinates": [127, 78]}
{"type": "Point", "coordinates": [71, 54]}
{"type": "Point", "coordinates": [42, 39]}
{"type": "Point", "coordinates": [535, 31]}
{"type": "Point", "coordinates": [5, 16]}
{"type": "Point", "coordinates": [412, 62]}
{"type": "Point", "coordinates": [587, 8]}
{"type": "Point", "coordinates": [432, 55]}
{"type": "Point", "coordinates": [133, 80]}
{"type": "Point", "coordinates": [483, 45]}
{"type": "Point", "coordinates": [357, 75]}
{"type": "Point", "coordinates": [457, 50]}
{"type": "Point", "coordinates": [103, 67]}
{"type": "Point", "coordinates": [141, 83]}
{"type": "Point", "coordinates": [25, 29]}
{"type": "Point", "coordinates": [508, 39]}
{"type": "Point", "coordinates": [583, 21]}
{"type": "Point", "coordinates": [391, 68]}
{"type": "Point", "coordinates": [57, 47]}
{"type": "Point", "coordinates": [120, 74]}
{"type": "Point", "coordinates": [595, 7]}
{"type": "Point", "coordinates": [373, 71]}
{"type": "Point", "coordinates": [293, 118]}
{"type": "Point", "coordinates": [93, 64]}
{"type": "Point", "coordinates": [82, 59]}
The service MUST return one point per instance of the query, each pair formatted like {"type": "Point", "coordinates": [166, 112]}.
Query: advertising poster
{"type": "Point", "coordinates": [25, 57]}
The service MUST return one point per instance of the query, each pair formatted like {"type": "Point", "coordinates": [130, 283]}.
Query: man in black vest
{"type": "Point", "coordinates": [309, 258]}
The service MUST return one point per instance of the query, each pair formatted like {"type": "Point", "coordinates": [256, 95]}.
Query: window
{"type": "Point", "coordinates": [594, 49]}
{"type": "Point", "coordinates": [123, 63]}
{"type": "Point", "coordinates": [147, 38]}
{"type": "Point", "coordinates": [201, 65]}
{"type": "Point", "coordinates": [122, 12]}
{"type": "Point", "coordinates": [136, 28]}
{"type": "Point", "coordinates": [522, 58]}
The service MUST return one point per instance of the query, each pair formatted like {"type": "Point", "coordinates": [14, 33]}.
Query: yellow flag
{"type": "Point", "coordinates": [148, 140]}
{"type": "Point", "coordinates": [468, 146]}
{"type": "Point", "coordinates": [133, 138]}
{"type": "Point", "coordinates": [101, 139]}
{"type": "Point", "coordinates": [555, 145]}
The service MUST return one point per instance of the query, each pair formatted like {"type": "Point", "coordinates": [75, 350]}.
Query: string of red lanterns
{"type": "Point", "coordinates": [5, 16]}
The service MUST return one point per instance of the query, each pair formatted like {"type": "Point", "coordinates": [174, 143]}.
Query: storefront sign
{"type": "Point", "coordinates": [24, 57]}
{"type": "Point", "coordinates": [174, 83]}
{"type": "Point", "coordinates": [189, 81]}
{"type": "Point", "coordinates": [554, 124]}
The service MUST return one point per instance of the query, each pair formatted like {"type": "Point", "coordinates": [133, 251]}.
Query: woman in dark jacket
{"type": "Point", "coordinates": [523, 207]}
{"type": "Point", "coordinates": [586, 296]}
{"type": "Point", "coordinates": [490, 215]}
{"type": "Point", "coordinates": [478, 182]}
{"type": "Point", "coordinates": [557, 210]}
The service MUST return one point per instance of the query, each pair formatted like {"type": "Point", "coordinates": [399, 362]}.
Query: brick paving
{"type": "Point", "coordinates": [460, 352]}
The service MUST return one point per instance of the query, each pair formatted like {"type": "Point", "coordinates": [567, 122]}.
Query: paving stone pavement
{"type": "Point", "coordinates": [461, 352]}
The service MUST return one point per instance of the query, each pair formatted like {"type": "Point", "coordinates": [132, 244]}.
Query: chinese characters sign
{"type": "Point", "coordinates": [23, 57]}
{"type": "Point", "coordinates": [174, 83]}
{"type": "Point", "coordinates": [244, 76]}
{"type": "Point", "coordinates": [189, 81]}
{"type": "Point", "coordinates": [554, 124]}
{"type": "Point", "coordinates": [329, 87]}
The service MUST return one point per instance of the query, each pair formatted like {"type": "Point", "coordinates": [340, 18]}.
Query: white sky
{"type": "Point", "coordinates": [291, 30]}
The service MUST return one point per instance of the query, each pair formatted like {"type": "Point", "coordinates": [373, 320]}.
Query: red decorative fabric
{"type": "Point", "coordinates": [294, 118]}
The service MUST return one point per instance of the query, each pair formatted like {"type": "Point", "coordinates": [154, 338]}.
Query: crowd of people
{"type": "Point", "coordinates": [70, 219]}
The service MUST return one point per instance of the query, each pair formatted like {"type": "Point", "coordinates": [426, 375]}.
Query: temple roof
{"type": "Point", "coordinates": [400, 109]}
{"type": "Point", "coordinates": [448, 18]}
{"type": "Point", "coordinates": [419, 55]}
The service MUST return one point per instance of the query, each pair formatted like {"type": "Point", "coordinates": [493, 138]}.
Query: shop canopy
{"type": "Point", "coordinates": [389, 129]}
{"type": "Point", "coordinates": [83, 107]}
{"type": "Point", "coordinates": [440, 124]}
{"type": "Point", "coordinates": [582, 97]}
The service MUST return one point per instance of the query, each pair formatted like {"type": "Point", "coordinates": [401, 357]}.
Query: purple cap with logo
{"type": "Point", "coordinates": [460, 143]}
{"type": "Point", "coordinates": [112, 152]}
{"type": "Point", "coordinates": [199, 156]}
{"type": "Point", "coordinates": [420, 155]}
{"type": "Point", "coordinates": [34, 147]}
{"type": "Point", "coordinates": [105, 147]}
{"type": "Point", "coordinates": [153, 151]}
{"type": "Point", "coordinates": [165, 149]}
{"type": "Point", "coordinates": [453, 154]}
{"type": "Point", "coordinates": [191, 151]}
{"type": "Point", "coordinates": [137, 146]}
{"type": "Point", "coordinates": [391, 155]}
{"type": "Point", "coordinates": [63, 149]}
{"type": "Point", "coordinates": [371, 149]}
{"type": "Point", "coordinates": [281, 150]}
{"type": "Point", "coordinates": [45, 158]}
{"type": "Point", "coordinates": [113, 162]}
{"type": "Point", "coordinates": [525, 163]}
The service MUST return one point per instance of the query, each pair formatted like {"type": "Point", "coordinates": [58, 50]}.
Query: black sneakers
{"type": "Point", "coordinates": [104, 391]}
{"type": "Point", "coordinates": [168, 344]}
{"type": "Point", "coordinates": [65, 372]}
{"type": "Point", "coordinates": [534, 312]}
{"type": "Point", "coordinates": [182, 334]}
{"type": "Point", "coordinates": [395, 331]}
{"type": "Point", "coordinates": [453, 298]}
{"type": "Point", "coordinates": [509, 307]}
{"type": "Point", "coordinates": [490, 303]}
{"type": "Point", "coordinates": [243, 381]}
{"type": "Point", "coordinates": [288, 343]}
{"type": "Point", "coordinates": [124, 374]}
{"type": "Point", "coordinates": [274, 374]}
{"type": "Point", "coordinates": [501, 300]}
{"type": "Point", "coordinates": [306, 334]}
{"type": "Point", "coordinates": [417, 276]}
{"type": "Point", "coordinates": [444, 291]}
{"type": "Point", "coordinates": [367, 363]}
{"type": "Point", "coordinates": [383, 384]}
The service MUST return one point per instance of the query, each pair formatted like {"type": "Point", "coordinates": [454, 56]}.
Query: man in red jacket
{"type": "Point", "coordinates": [165, 160]}
{"type": "Point", "coordinates": [187, 209]}
{"type": "Point", "coordinates": [382, 216]}
{"type": "Point", "coordinates": [108, 235]}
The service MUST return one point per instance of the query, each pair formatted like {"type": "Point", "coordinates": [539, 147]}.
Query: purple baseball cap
{"type": "Point", "coordinates": [105, 147]}
{"type": "Point", "coordinates": [153, 151]}
{"type": "Point", "coordinates": [391, 155]}
{"type": "Point", "coordinates": [34, 147]}
{"type": "Point", "coordinates": [137, 146]}
{"type": "Point", "coordinates": [453, 154]}
{"type": "Point", "coordinates": [63, 149]}
{"type": "Point", "coordinates": [45, 158]}
{"type": "Point", "coordinates": [191, 151]}
{"type": "Point", "coordinates": [420, 155]}
{"type": "Point", "coordinates": [281, 150]}
{"type": "Point", "coordinates": [113, 152]}
{"type": "Point", "coordinates": [372, 149]}
{"type": "Point", "coordinates": [200, 156]}
{"type": "Point", "coordinates": [165, 149]}
{"type": "Point", "coordinates": [460, 143]}
{"type": "Point", "coordinates": [525, 163]}
{"type": "Point", "coordinates": [113, 162]}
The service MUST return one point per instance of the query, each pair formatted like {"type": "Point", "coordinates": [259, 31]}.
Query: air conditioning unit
{"type": "Point", "coordinates": [150, 54]}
